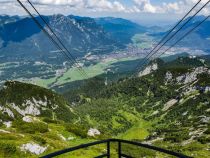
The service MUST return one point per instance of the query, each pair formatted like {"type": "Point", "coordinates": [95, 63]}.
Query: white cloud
{"type": "Point", "coordinates": [186, 4]}
{"type": "Point", "coordinates": [58, 2]}
{"type": "Point", "coordinates": [119, 6]}
{"type": "Point", "coordinates": [90, 5]}
{"type": "Point", "coordinates": [150, 8]}
{"type": "Point", "coordinates": [145, 6]}
{"type": "Point", "coordinates": [99, 5]}
{"type": "Point", "coordinates": [105, 6]}
{"type": "Point", "coordinates": [172, 7]}
{"type": "Point", "coordinates": [178, 7]}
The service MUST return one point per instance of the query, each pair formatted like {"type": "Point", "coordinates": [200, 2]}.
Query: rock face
{"type": "Point", "coordinates": [192, 76]}
{"type": "Point", "coordinates": [92, 132]}
{"type": "Point", "coordinates": [31, 109]}
{"type": "Point", "coordinates": [4, 131]}
{"type": "Point", "coordinates": [168, 77]}
{"type": "Point", "coordinates": [27, 119]}
{"type": "Point", "coordinates": [33, 148]}
{"type": "Point", "coordinates": [8, 124]}
{"type": "Point", "coordinates": [7, 111]}
{"type": "Point", "coordinates": [149, 69]}
{"type": "Point", "coordinates": [169, 104]}
{"type": "Point", "coordinates": [205, 119]}
{"type": "Point", "coordinates": [34, 102]}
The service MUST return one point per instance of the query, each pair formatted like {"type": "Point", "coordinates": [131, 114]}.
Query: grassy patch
{"type": "Point", "coordinates": [138, 131]}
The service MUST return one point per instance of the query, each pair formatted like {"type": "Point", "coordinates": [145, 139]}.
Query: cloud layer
{"type": "Point", "coordinates": [114, 6]}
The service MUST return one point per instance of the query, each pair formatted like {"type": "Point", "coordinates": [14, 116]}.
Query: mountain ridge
{"type": "Point", "coordinates": [67, 28]}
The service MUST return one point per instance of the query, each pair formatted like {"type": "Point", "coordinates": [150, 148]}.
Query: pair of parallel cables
{"type": "Point", "coordinates": [167, 37]}
{"type": "Point", "coordinates": [56, 40]}
{"type": "Point", "coordinates": [59, 44]}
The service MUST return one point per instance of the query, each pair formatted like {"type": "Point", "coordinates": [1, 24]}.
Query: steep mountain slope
{"type": "Point", "coordinates": [167, 107]}
{"type": "Point", "coordinates": [20, 100]}
{"type": "Point", "coordinates": [201, 35]}
{"type": "Point", "coordinates": [80, 35]}
{"type": "Point", "coordinates": [203, 31]}
{"type": "Point", "coordinates": [120, 29]}
{"type": "Point", "coordinates": [7, 19]}
{"type": "Point", "coordinates": [35, 121]}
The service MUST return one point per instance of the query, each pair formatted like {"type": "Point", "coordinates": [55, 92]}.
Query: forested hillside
{"type": "Point", "coordinates": [167, 107]}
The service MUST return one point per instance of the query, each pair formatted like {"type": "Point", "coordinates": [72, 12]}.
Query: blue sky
{"type": "Point", "coordinates": [142, 11]}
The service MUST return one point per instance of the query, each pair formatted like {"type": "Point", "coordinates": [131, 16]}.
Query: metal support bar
{"type": "Point", "coordinates": [108, 149]}
{"type": "Point", "coordinates": [119, 141]}
{"type": "Point", "coordinates": [119, 149]}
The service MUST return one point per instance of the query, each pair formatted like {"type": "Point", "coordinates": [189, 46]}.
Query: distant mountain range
{"type": "Point", "coordinates": [166, 105]}
{"type": "Point", "coordinates": [7, 19]}
{"type": "Point", "coordinates": [81, 35]}
{"type": "Point", "coordinates": [120, 29]}
{"type": "Point", "coordinates": [200, 36]}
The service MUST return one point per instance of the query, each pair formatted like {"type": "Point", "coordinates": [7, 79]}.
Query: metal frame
{"type": "Point", "coordinates": [120, 154]}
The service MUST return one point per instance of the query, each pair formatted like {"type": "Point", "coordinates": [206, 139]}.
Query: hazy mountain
{"type": "Point", "coordinates": [7, 19]}
{"type": "Point", "coordinates": [120, 29]}
{"type": "Point", "coordinates": [80, 35]}
{"type": "Point", "coordinates": [201, 35]}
